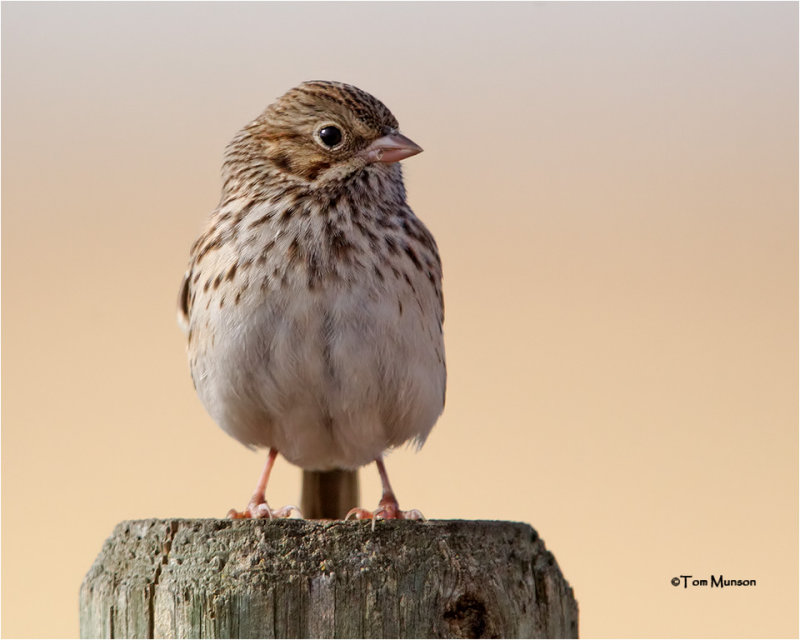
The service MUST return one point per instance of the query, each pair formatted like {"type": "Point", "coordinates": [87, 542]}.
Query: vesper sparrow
{"type": "Point", "coordinates": [312, 303]}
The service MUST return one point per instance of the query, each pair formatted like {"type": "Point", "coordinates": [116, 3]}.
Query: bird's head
{"type": "Point", "coordinates": [322, 132]}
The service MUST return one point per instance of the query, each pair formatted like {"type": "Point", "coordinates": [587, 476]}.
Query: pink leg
{"type": "Point", "coordinates": [258, 507]}
{"type": "Point", "coordinates": [388, 509]}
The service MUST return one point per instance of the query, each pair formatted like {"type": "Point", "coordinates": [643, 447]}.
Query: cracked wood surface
{"type": "Point", "coordinates": [325, 579]}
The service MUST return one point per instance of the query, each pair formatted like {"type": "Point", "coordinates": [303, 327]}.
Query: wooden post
{"type": "Point", "coordinates": [329, 494]}
{"type": "Point", "coordinates": [317, 579]}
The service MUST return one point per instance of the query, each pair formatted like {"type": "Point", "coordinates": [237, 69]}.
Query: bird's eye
{"type": "Point", "coordinates": [330, 136]}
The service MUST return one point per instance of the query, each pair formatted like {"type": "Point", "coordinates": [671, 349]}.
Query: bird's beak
{"type": "Point", "coordinates": [390, 148]}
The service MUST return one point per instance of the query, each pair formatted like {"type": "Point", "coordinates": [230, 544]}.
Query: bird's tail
{"type": "Point", "coordinates": [329, 494]}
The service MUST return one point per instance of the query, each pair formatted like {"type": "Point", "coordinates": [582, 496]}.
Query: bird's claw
{"type": "Point", "coordinates": [413, 514]}
{"type": "Point", "coordinates": [384, 512]}
{"type": "Point", "coordinates": [262, 511]}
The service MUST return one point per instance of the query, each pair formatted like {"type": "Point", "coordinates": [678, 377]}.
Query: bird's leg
{"type": "Point", "coordinates": [388, 509]}
{"type": "Point", "coordinates": [258, 507]}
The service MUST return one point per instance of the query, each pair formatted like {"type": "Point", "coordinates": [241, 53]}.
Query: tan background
{"type": "Point", "coordinates": [614, 192]}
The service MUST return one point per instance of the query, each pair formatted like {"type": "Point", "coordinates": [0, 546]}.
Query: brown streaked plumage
{"type": "Point", "coordinates": [313, 302]}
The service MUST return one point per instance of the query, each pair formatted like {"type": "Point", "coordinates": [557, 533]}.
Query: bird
{"type": "Point", "coordinates": [312, 303]}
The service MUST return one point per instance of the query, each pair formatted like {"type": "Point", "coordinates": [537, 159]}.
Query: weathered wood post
{"type": "Point", "coordinates": [325, 579]}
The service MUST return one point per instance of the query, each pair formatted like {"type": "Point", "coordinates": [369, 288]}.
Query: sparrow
{"type": "Point", "coordinates": [312, 304]}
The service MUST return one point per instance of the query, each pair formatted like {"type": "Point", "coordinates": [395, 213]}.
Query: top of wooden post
{"type": "Point", "coordinates": [300, 578]}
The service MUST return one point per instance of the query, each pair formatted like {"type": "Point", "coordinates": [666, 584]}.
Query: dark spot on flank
{"type": "Point", "coordinates": [413, 255]}
{"type": "Point", "coordinates": [413, 230]}
{"type": "Point", "coordinates": [212, 244]}
{"type": "Point", "coordinates": [256, 200]}
{"type": "Point", "coordinates": [408, 280]}
{"type": "Point", "coordinates": [338, 243]}
{"type": "Point", "coordinates": [260, 221]}
{"type": "Point", "coordinates": [378, 273]}
{"type": "Point", "coordinates": [294, 249]}
{"type": "Point", "coordinates": [391, 245]}
{"type": "Point", "coordinates": [231, 272]}
{"type": "Point", "coordinates": [217, 281]}
{"type": "Point", "coordinates": [340, 247]}
{"type": "Point", "coordinates": [287, 214]}
{"type": "Point", "coordinates": [268, 247]}
{"type": "Point", "coordinates": [373, 239]}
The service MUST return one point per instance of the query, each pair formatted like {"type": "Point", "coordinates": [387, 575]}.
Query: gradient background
{"type": "Point", "coordinates": [614, 192]}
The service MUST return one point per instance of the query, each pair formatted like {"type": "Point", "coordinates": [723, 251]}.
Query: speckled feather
{"type": "Point", "coordinates": [313, 303]}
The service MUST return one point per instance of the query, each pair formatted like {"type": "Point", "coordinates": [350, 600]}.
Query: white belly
{"type": "Point", "coordinates": [330, 377]}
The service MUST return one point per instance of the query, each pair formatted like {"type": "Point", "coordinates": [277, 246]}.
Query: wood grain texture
{"type": "Point", "coordinates": [298, 578]}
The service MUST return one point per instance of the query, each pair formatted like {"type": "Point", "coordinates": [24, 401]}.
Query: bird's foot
{"type": "Point", "coordinates": [258, 509]}
{"type": "Point", "coordinates": [387, 510]}
{"type": "Point", "coordinates": [383, 514]}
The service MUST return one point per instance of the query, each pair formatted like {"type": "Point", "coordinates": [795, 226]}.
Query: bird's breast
{"type": "Point", "coordinates": [323, 323]}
